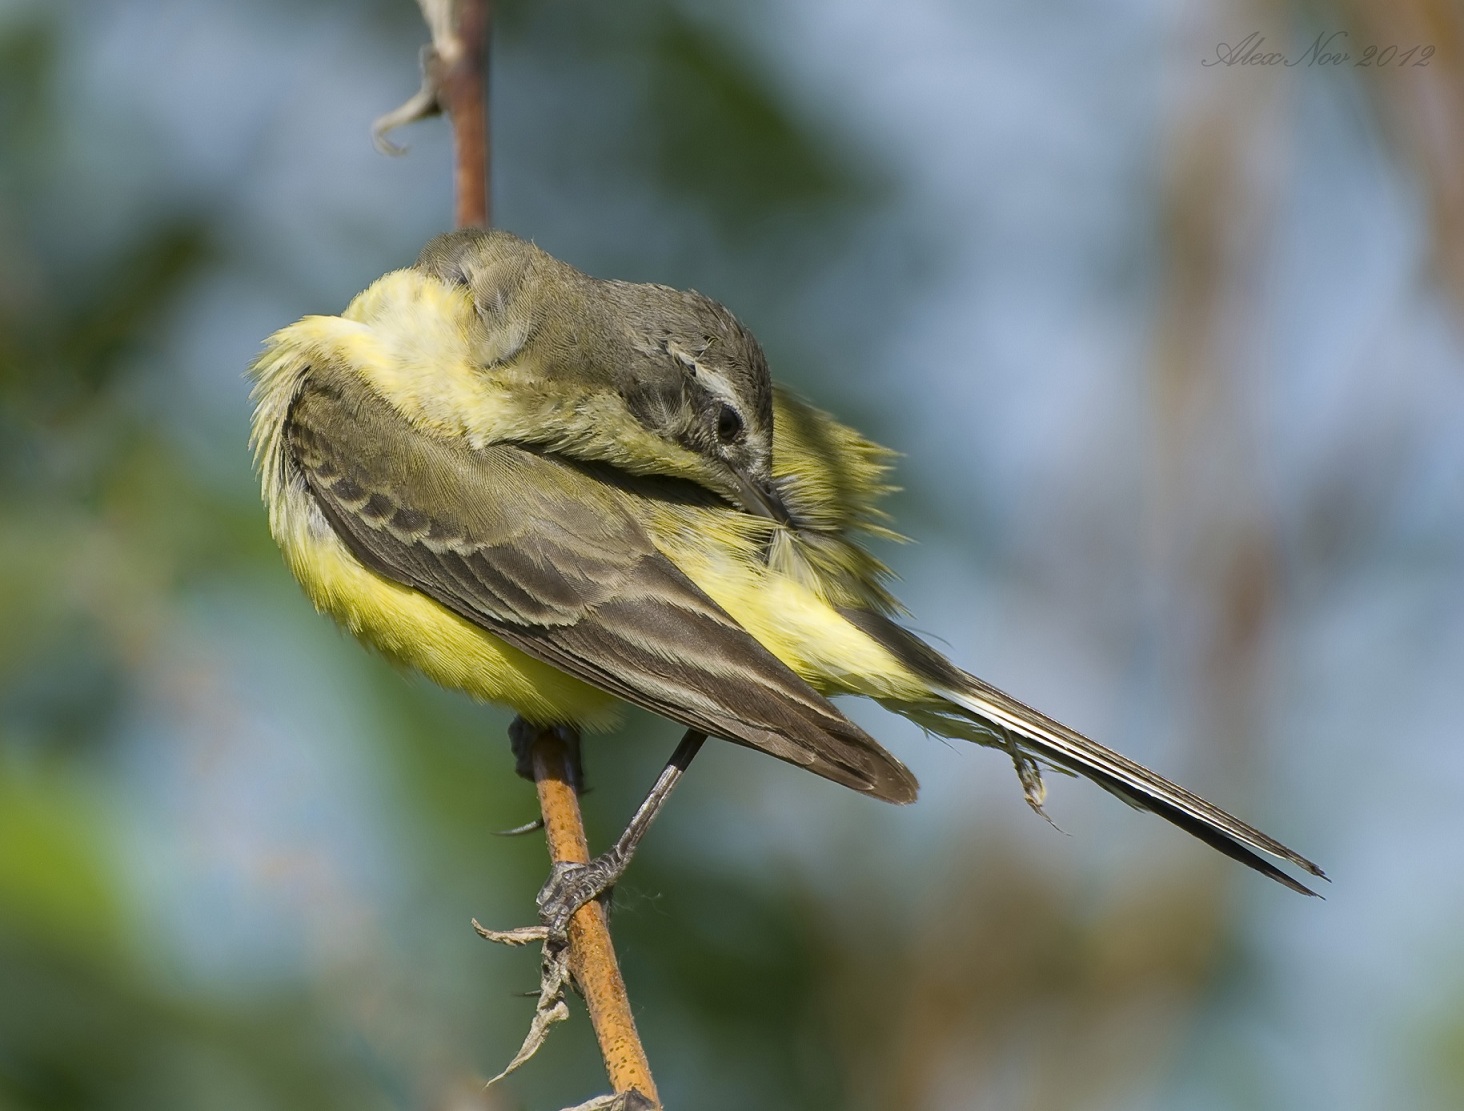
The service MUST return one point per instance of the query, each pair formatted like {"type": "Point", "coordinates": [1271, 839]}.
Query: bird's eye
{"type": "Point", "coordinates": [729, 424]}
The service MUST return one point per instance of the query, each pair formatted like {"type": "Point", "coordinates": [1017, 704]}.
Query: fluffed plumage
{"type": "Point", "coordinates": [554, 493]}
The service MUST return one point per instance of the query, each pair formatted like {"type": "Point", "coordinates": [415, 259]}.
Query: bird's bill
{"type": "Point", "coordinates": [762, 499]}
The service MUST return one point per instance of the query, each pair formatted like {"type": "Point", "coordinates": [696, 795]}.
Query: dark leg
{"type": "Point", "coordinates": [521, 736]}
{"type": "Point", "coordinates": [571, 886]}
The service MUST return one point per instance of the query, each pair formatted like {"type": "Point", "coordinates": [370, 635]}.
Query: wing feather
{"type": "Point", "coordinates": [553, 560]}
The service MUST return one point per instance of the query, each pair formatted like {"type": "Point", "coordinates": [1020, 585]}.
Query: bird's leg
{"type": "Point", "coordinates": [625, 1101]}
{"type": "Point", "coordinates": [521, 737]}
{"type": "Point", "coordinates": [571, 886]}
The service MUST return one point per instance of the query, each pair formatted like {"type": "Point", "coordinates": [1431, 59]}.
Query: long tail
{"type": "Point", "coordinates": [975, 710]}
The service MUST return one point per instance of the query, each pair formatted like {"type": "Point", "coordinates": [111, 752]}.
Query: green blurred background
{"type": "Point", "coordinates": [1174, 355]}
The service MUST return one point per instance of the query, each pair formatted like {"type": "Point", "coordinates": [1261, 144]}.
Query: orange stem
{"type": "Point", "coordinates": [591, 955]}
{"type": "Point", "coordinates": [592, 958]}
{"type": "Point", "coordinates": [463, 87]}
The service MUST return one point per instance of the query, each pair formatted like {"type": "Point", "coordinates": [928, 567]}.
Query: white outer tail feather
{"type": "Point", "coordinates": [1067, 749]}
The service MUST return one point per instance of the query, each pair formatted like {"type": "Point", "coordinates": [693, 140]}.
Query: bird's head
{"type": "Point", "coordinates": [697, 378]}
{"type": "Point", "coordinates": [648, 378]}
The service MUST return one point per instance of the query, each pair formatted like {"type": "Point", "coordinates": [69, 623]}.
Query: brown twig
{"type": "Point", "coordinates": [454, 79]}
{"type": "Point", "coordinates": [591, 954]}
{"type": "Point", "coordinates": [463, 90]}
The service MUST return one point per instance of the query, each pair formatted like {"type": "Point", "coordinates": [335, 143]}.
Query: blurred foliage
{"type": "Point", "coordinates": [81, 1029]}
{"type": "Point", "coordinates": [724, 139]}
{"type": "Point", "coordinates": [109, 531]}
{"type": "Point", "coordinates": [101, 524]}
{"type": "Point", "coordinates": [151, 653]}
{"type": "Point", "coordinates": [712, 129]}
{"type": "Point", "coordinates": [1442, 1059]}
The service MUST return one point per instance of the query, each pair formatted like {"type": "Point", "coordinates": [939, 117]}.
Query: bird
{"type": "Point", "coordinates": [563, 494]}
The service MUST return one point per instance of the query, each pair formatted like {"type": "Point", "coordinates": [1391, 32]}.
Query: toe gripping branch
{"type": "Point", "coordinates": [573, 918]}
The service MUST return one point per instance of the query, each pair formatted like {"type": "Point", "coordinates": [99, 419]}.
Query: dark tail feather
{"type": "Point", "coordinates": [978, 711]}
{"type": "Point", "coordinates": [1216, 839]}
{"type": "Point", "coordinates": [1055, 743]}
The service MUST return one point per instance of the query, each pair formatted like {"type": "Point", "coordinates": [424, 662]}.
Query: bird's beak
{"type": "Point", "coordinates": [763, 499]}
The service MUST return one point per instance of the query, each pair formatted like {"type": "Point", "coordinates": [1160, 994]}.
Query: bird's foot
{"type": "Point", "coordinates": [554, 980]}
{"type": "Point", "coordinates": [571, 886]}
{"type": "Point", "coordinates": [623, 1101]}
{"type": "Point", "coordinates": [1030, 775]}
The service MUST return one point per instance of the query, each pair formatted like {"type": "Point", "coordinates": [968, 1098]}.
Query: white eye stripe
{"type": "Point", "coordinates": [717, 384]}
{"type": "Point", "coordinates": [714, 380]}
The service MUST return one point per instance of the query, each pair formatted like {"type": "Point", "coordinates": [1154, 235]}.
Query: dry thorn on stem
{"type": "Point", "coordinates": [454, 80]}
{"type": "Point", "coordinates": [553, 979]}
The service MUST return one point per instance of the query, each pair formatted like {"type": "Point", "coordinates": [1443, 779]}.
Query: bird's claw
{"type": "Point", "coordinates": [554, 978]}
{"type": "Point", "coordinates": [622, 1101]}
{"type": "Point", "coordinates": [518, 831]}
{"type": "Point", "coordinates": [571, 886]}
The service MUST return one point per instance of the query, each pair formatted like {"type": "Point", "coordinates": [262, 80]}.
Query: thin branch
{"type": "Point", "coordinates": [454, 79]}
{"type": "Point", "coordinates": [591, 954]}
{"type": "Point", "coordinates": [463, 94]}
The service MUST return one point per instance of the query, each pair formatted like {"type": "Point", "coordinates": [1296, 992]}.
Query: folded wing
{"type": "Point", "coordinates": [549, 557]}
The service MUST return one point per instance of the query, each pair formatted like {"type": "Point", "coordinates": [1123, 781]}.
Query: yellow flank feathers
{"type": "Point", "coordinates": [412, 629]}
{"type": "Point", "coordinates": [795, 623]}
{"type": "Point", "coordinates": [406, 626]}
